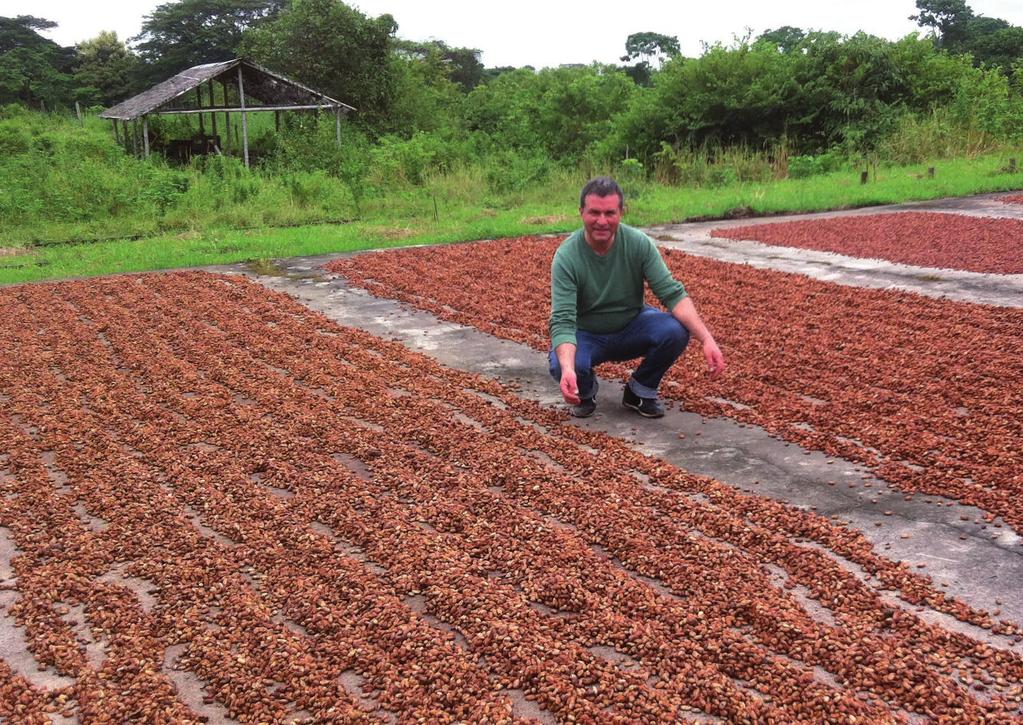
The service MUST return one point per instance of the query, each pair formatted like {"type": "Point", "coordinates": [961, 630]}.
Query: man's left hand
{"type": "Point", "coordinates": [715, 360]}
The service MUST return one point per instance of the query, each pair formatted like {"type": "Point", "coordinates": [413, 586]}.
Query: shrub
{"type": "Point", "coordinates": [801, 167]}
{"type": "Point", "coordinates": [14, 139]}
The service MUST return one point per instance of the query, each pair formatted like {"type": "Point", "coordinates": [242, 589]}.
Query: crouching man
{"type": "Point", "coordinates": [597, 309]}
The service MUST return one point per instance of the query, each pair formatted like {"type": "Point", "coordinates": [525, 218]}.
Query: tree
{"type": "Point", "coordinates": [463, 65]}
{"type": "Point", "coordinates": [651, 45]}
{"type": "Point", "coordinates": [425, 96]}
{"type": "Point", "coordinates": [104, 68]}
{"type": "Point", "coordinates": [948, 17]}
{"type": "Point", "coordinates": [561, 112]}
{"type": "Point", "coordinates": [991, 41]}
{"type": "Point", "coordinates": [994, 42]}
{"type": "Point", "coordinates": [786, 38]}
{"type": "Point", "coordinates": [334, 49]}
{"type": "Point", "coordinates": [179, 35]}
{"type": "Point", "coordinates": [33, 70]}
{"type": "Point", "coordinates": [648, 46]}
{"type": "Point", "coordinates": [490, 74]}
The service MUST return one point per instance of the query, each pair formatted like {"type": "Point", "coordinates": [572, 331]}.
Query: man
{"type": "Point", "coordinates": [597, 309]}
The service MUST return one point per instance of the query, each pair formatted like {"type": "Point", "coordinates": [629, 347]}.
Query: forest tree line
{"type": "Point", "coordinates": [803, 92]}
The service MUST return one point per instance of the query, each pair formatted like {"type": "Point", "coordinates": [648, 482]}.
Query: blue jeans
{"type": "Point", "coordinates": [654, 335]}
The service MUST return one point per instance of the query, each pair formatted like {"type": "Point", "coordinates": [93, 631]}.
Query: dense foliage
{"type": "Point", "coordinates": [788, 103]}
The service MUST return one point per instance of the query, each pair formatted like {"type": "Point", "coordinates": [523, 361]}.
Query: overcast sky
{"type": "Point", "coordinates": [551, 32]}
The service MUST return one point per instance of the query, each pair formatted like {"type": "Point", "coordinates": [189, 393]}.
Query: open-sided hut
{"type": "Point", "coordinates": [231, 86]}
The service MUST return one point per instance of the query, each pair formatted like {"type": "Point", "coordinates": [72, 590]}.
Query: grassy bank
{"type": "Point", "coordinates": [456, 207]}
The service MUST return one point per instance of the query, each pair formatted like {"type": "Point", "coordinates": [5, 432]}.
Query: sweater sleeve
{"type": "Point", "coordinates": [563, 303]}
{"type": "Point", "coordinates": [665, 287]}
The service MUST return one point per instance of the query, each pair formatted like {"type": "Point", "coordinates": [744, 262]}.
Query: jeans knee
{"type": "Point", "coordinates": [675, 336]}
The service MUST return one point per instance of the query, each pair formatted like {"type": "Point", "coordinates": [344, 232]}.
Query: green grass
{"type": "Point", "coordinates": [838, 190]}
{"type": "Point", "coordinates": [464, 211]}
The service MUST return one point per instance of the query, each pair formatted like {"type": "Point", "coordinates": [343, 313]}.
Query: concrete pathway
{"type": "Point", "coordinates": [994, 289]}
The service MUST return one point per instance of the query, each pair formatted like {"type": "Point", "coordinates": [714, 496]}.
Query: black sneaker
{"type": "Point", "coordinates": [646, 407]}
{"type": "Point", "coordinates": [585, 408]}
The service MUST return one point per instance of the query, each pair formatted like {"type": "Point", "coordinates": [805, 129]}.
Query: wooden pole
{"type": "Point", "coordinates": [126, 147]}
{"type": "Point", "coordinates": [318, 107]}
{"type": "Point", "coordinates": [117, 136]}
{"type": "Point", "coordinates": [337, 126]}
{"type": "Point", "coordinates": [277, 121]}
{"type": "Point", "coordinates": [227, 115]}
{"type": "Point", "coordinates": [213, 114]}
{"type": "Point", "coordinates": [198, 101]}
{"type": "Point", "coordinates": [145, 134]}
{"type": "Point", "coordinates": [245, 118]}
{"type": "Point", "coordinates": [78, 112]}
{"type": "Point", "coordinates": [135, 137]}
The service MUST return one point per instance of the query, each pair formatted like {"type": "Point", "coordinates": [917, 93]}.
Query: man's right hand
{"type": "Point", "coordinates": [569, 387]}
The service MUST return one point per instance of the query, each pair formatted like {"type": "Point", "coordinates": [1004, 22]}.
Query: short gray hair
{"type": "Point", "coordinates": [602, 186]}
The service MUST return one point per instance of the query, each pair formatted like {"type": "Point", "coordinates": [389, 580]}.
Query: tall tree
{"type": "Point", "coordinates": [462, 65]}
{"type": "Point", "coordinates": [949, 18]}
{"type": "Point", "coordinates": [991, 41]}
{"type": "Point", "coordinates": [333, 48]}
{"type": "Point", "coordinates": [786, 38]}
{"type": "Point", "coordinates": [33, 70]}
{"type": "Point", "coordinates": [646, 47]}
{"type": "Point", "coordinates": [651, 46]}
{"type": "Point", "coordinates": [182, 34]}
{"type": "Point", "coordinates": [104, 68]}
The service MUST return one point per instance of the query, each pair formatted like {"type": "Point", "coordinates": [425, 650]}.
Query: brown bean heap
{"type": "Point", "coordinates": [925, 391]}
{"type": "Point", "coordinates": [208, 481]}
{"type": "Point", "coordinates": [929, 239]}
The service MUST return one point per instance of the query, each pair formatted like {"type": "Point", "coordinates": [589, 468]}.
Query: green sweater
{"type": "Point", "coordinates": [604, 294]}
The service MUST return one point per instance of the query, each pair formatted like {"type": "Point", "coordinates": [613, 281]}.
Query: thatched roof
{"type": "Point", "coordinates": [268, 88]}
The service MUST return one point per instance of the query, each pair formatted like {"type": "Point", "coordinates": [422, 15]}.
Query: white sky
{"type": "Point", "coordinates": [550, 32]}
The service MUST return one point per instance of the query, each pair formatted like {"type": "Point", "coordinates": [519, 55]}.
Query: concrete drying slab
{"type": "Point", "coordinates": [993, 289]}
{"type": "Point", "coordinates": [979, 562]}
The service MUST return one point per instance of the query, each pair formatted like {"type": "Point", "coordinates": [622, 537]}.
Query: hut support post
{"type": "Point", "coordinates": [337, 126]}
{"type": "Point", "coordinates": [277, 121]}
{"type": "Point", "coordinates": [245, 118]}
{"type": "Point", "coordinates": [213, 114]}
{"type": "Point", "coordinates": [117, 135]}
{"type": "Point", "coordinates": [198, 104]}
{"type": "Point", "coordinates": [145, 135]}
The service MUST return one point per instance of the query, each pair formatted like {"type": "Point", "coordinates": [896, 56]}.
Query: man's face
{"type": "Point", "coordinates": [601, 216]}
